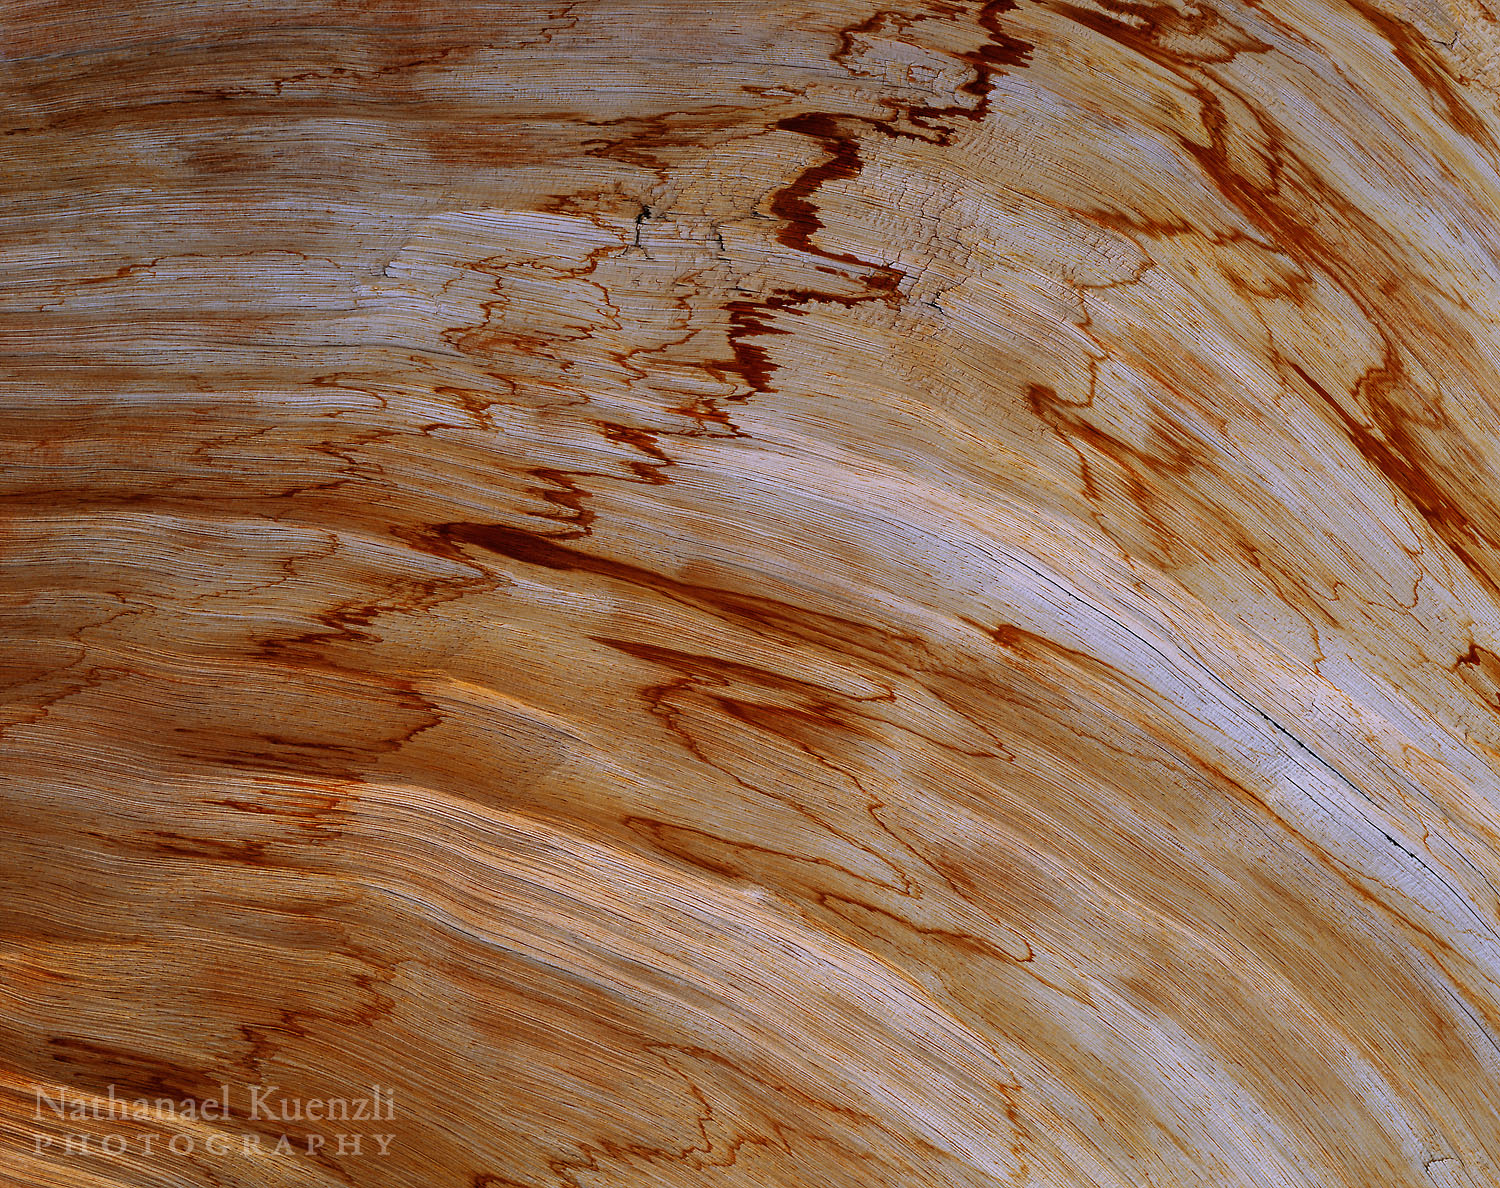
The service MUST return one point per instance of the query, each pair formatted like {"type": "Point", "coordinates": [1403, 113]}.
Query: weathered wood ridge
{"type": "Point", "coordinates": [771, 594]}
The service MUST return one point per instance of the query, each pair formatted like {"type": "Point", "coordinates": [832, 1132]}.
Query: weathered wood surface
{"type": "Point", "coordinates": [778, 594]}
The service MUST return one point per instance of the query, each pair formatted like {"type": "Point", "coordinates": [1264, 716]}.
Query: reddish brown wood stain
{"type": "Point", "coordinates": [772, 595]}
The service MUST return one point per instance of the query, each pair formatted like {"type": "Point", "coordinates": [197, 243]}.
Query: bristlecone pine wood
{"type": "Point", "coordinates": [763, 594]}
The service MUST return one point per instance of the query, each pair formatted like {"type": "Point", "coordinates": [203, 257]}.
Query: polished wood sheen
{"type": "Point", "coordinates": [769, 594]}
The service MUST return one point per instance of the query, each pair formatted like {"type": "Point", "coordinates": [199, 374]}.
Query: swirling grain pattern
{"type": "Point", "coordinates": [767, 594]}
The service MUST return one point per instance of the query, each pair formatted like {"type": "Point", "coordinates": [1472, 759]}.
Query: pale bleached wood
{"type": "Point", "coordinates": [793, 594]}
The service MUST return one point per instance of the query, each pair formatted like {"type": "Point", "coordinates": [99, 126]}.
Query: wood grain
{"type": "Point", "coordinates": [775, 594]}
